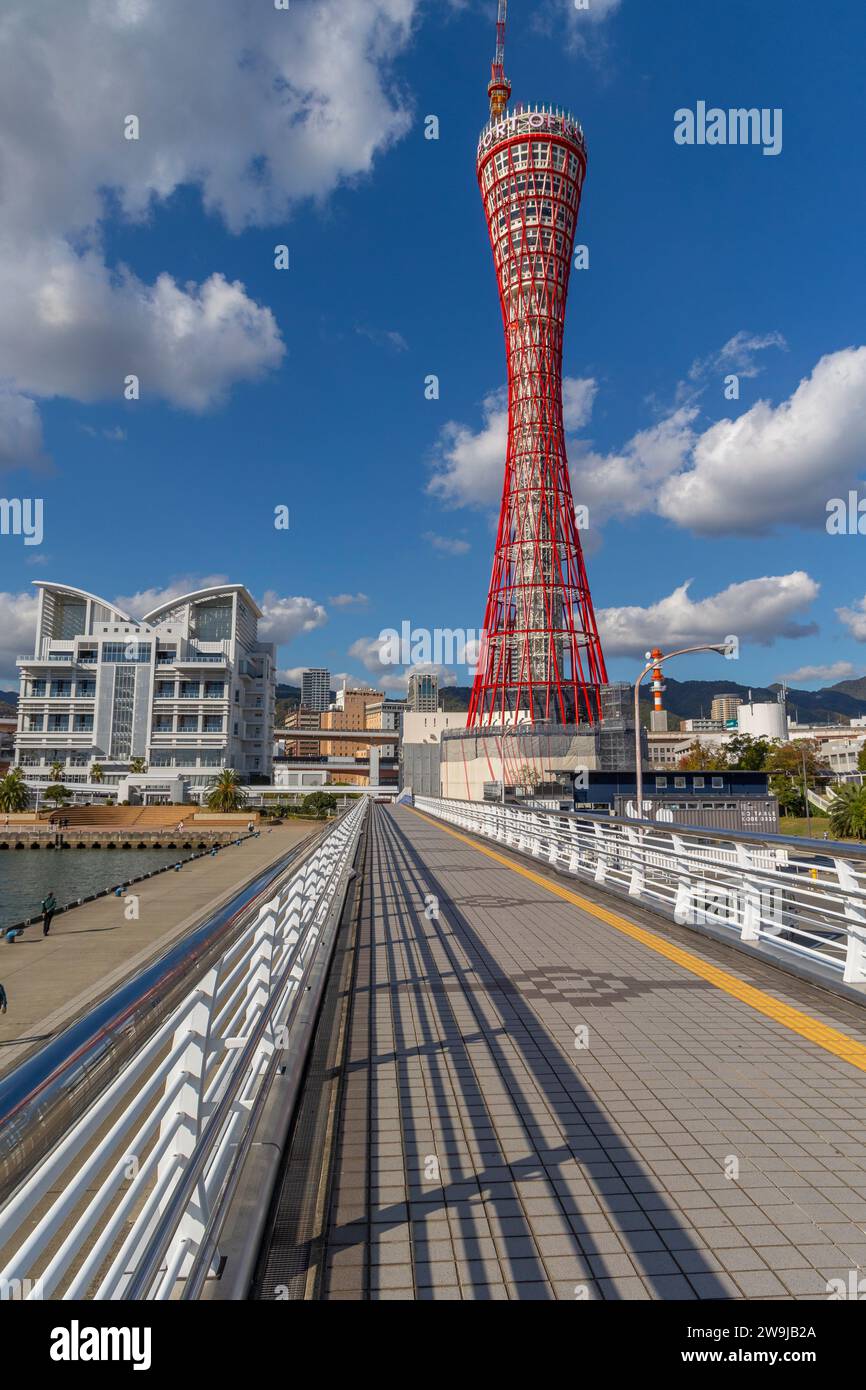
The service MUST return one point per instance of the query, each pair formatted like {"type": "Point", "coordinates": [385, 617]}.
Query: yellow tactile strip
{"type": "Point", "coordinates": [830, 1039]}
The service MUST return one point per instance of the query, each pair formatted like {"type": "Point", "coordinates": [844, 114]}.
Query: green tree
{"type": "Point", "coordinates": [788, 791]}
{"type": "Point", "coordinates": [56, 770]}
{"type": "Point", "coordinates": [319, 803]}
{"type": "Point", "coordinates": [225, 792]}
{"type": "Point", "coordinates": [861, 759]}
{"type": "Point", "coordinates": [138, 765]}
{"type": "Point", "coordinates": [702, 758]}
{"type": "Point", "coordinates": [747, 754]}
{"type": "Point", "coordinates": [848, 812]}
{"type": "Point", "coordinates": [97, 773]}
{"type": "Point", "coordinates": [57, 793]}
{"type": "Point", "coordinates": [13, 791]}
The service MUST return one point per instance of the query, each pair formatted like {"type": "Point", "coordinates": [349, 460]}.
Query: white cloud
{"type": "Point", "coordinates": [258, 108]}
{"type": "Point", "coordinates": [626, 483]}
{"type": "Point", "coordinates": [578, 27]}
{"type": "Point", "coordinates": [854, 619]}
{"type": "Point", "coordinates": [755, 610]}
{"type": "Point", "coordinates": [447, 545]}
{"type": "Point", "coordinates": [368, 650]}
{"type": "Point", "coordinates": [777, 464]}
{"type": "Point", "coordinates": [771, 466]}
{"type": "Point", "coordinates": [470, 465]}
{"type": "Point", "coordinates": [389, 338]}
{"type": "Point", "coordinates": [738, 355]}
{"type": "Point", "coordinates": [286, 618]}
{"type": "Point", "coordinates": [838, 671]}
{"type": "Point", "coordinates": [358, 600]}
{"type": "Point", "coordinates": [71, 327]}
{"type": "Point", "coordinates": [17, 628]}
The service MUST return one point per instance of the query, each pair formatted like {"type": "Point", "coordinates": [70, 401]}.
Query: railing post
{"type": "Point", "coordinates": [683, 904]}
{"type": "Point", "coordinates": [751, 926]}
{"type": "Point", "coordinates": [185, 1115]}
{"type": "Point", "coordinates": [573, 830]}
{"type": "Point", "coordinates": [636, 879]}
{"type": "Point", "coordinates": [855, 956]}
{"type": "Point", "coordinates": [600, 856]}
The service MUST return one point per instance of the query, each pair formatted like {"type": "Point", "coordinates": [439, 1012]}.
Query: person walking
{"type": "Point", "coordinates": [49, 907]}
{"type": "Point", "coordinates": [4, 1002]}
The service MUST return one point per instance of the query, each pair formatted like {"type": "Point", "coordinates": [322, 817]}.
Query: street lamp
{"type": "Point", "coordinates": [721, 647]}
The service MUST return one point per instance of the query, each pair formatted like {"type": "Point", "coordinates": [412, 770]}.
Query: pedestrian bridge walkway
{"type": "Point", "coordinates": [410, 1062]}
{"type": "Point", "coordinates": [545, 1095]}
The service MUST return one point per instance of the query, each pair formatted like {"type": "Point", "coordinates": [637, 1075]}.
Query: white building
{"type": "Point", "coordinates": [422, 695]}
{"type": "Point", "coordinates": [316, 688]}
{"type": "Point", "coordinates": [764, 719]}
{"type": "Point", "coordinates": [188, 689]}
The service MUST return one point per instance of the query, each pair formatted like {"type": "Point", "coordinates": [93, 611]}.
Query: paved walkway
{"type": "Point", "coordinates": [689, 1147]}
{"type": "Point", "coordinates": [92, 948]}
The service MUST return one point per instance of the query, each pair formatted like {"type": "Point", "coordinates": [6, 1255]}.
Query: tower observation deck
{"type": "Point", "coordinates": [540, 655]}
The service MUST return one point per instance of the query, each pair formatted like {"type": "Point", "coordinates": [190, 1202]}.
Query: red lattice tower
{"type": "Point", "coordinates": [541, 651]}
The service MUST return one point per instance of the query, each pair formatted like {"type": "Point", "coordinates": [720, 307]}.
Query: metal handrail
{"type": "Point", "coordinates": [786, 897]}
{"type": "Point", "coordinates": [178, 1102]}
{"type": "Point", "coordinates": [44, 1094]}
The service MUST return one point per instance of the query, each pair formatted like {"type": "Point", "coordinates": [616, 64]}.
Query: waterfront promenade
{"type": "Point", "coordinates": [94, 947]}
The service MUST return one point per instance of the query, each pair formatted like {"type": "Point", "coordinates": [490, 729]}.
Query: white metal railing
{"type": "Point", "coordinates": [803, 899]}
{"type": "Point", "coordinates": [132, 1188]}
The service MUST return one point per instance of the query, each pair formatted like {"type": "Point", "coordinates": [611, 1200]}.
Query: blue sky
{"type": "Point", "coordinates": [305, 387]}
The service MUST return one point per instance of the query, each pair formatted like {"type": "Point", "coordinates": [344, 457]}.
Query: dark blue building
{"type": "Point", "coordinates": [728, 800]}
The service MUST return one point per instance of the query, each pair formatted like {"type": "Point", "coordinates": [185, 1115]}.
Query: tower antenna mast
{"type": "Point", "coordinates": [499, 88]}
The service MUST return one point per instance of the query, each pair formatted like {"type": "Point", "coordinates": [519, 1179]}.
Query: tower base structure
{"type": "Point", "coordinates": [539, 761]}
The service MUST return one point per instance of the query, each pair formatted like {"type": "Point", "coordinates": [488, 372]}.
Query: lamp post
{"type": "Point", "coordinates": [806, 792]}
{"type": "Point", "coordinates": [653, 661]}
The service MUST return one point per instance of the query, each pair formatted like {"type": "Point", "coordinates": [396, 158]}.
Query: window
{"type": "Point", "coordinates": [162, 724]}
{"type": "Point", "coordinates": [58, 723]}
{"type": "Point", "coordinates": [188, 724]}
{"type": "Point", "coordinates": [85, 689]}
{"type": "Point", "coordinates": [37, 688]}
{"type": "Point", "coordinates": [718, 782]}
{"type": "Point", "coordinates": [698, 782]}
{"type": "Point", "coordinates": [190, 690]}
{"type": "Point", "coordinates": [214, 690]}
{"type": "Point", "coordinates": [126, 651]}
{"type": "Point", "coordinates": [61, 688]}
{"type": "Point", "coordinates": [213, 724]}
{"type": "Point", "coordinates": [213, 622]}
{"type": "Point", "coordinates": [121, 713]}
{"type": "Point", "coordinates": [165, 690]}
{"type": "Point", "coordinates": [83, 723]}
{"type": "Point", "coordinates": [679, 781]}
{"type": "Point", "coordinates": [661, 781]}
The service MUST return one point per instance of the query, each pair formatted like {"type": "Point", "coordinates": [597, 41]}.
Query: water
{"type": "Point", "coordinates": [26, 875]}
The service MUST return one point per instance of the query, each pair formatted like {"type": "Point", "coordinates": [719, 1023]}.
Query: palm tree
{"type": "Point", "coordinates": [97, 773]}
{"type": "Point", "coordinates": [848, 812]}
{"type": "Point", "coordinates": [225, 792]}
{"type": "Point", "coordinates": [13, 791]}
{"type": "Point", "coordinates": [138, 765]}
{"type": "Point", "coordinates": [56, 770]}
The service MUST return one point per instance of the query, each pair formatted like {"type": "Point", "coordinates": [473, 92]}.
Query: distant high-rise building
{"type": "Point", "coordinates": [316, 688]}
{"type": "Point", "coordinates": [422, 696]}
{"type": "Point", "coordinates": [725, 707]}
